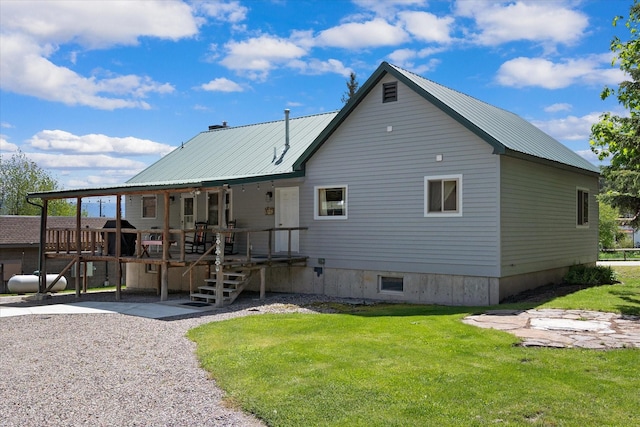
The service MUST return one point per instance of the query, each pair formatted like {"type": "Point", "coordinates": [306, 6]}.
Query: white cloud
{"type": "Point", "coordinates": [522, 72]}
{"type": "Point", "coordinates": [258, 55]}
{"type": "Point", "coordinates": [502, 22]}
{"type": "Point", "coordinates": [590, 156]}
{"type": "Point", "coordinates": [387, 7]}
{"type": "Point", "coordinates": [6, 125]}
{"type": "Point", "coordinates": [407, 58]}
{"type": "Point", "coordinates": [222, 84]}
{"type": "Point", "coordinates": [82, 161]}
{"type": "Point", "coordinates": [6, 146]}
{"type": "Point", "coordinates": [98, 24]}
{"type": "Point", "coordinates": [315, 66]}
{"type": "Point", "coordinates": [427, 27]}
{"type": "Point", "coordinates": [570, 128]}
{"type": "Point", "coordinates": [32, 31]}
{"type": "Point", "coordinates": [107, 178]}
{"type": "Point", "coordinates": [232, 12]}
{"type": "Point", "coordinates": [59, 140]}
{"type": "Point", "coordinates": [554, 108]}
{"type": "Point", "coordinates": [354, 35]}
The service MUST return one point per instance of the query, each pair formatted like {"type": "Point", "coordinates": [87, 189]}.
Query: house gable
{"type": "Point", "coordinates": [506, 132]}
{"type": "Point", "coordinates": [382, 153]}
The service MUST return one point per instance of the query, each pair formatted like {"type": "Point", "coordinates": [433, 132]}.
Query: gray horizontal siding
{"type": "Point", "coordinates": [386, 228]}
{"type": "Point", "coordinates": [539, 218]}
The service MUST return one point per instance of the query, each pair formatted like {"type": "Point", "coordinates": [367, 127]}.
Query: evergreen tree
{"type": "Point", "coordinates": [352, 88]}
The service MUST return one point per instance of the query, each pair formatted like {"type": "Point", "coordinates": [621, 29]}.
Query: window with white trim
{"type": "Point", "coordinates": [582, 214]}
{"type": "Point", "coordinates": [443, 195]}
{"type": "Point", "coordinates": [149, 206]}
{"type": "Point", "coordinates": [330, 202]}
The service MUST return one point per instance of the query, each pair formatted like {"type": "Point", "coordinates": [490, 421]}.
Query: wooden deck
{"type": "Point", "coordinates": [136, 246]}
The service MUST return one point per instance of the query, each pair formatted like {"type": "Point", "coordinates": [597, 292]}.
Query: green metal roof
{"type": "Point", "coordinates": [507, 132]}
{"type": "Point", "coordinates": [237, 153]}
{"type": "Point", "coordinates": [246, 153]}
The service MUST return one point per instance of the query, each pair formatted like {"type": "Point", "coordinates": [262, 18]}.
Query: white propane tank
{"type": "Point", "coordinates": [28, 283]}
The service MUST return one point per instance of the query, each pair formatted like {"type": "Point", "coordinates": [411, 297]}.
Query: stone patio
{"type": "Point", "coordinates": [564, 328]}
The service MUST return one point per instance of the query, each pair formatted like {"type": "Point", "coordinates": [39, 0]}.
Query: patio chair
{"type": "Point", "coordinates": [197, 242]}
{"type": "Point", "coordinates": [230, 239]}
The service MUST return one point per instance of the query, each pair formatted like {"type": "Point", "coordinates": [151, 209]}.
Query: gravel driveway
{"type": "Point", "coordinates": [114, 369]}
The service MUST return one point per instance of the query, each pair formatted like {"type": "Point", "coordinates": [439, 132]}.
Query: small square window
{"type": "Point", "coordinates": [390, 92]}
{"type": "Point", "coordinates": [391, 284]}
{"type": "Point", "coordinates": [583, 208]}
{"type": "Point", "coordinates": [149, 206]}
{"type": "Point", "coordinates": [443, 195]}
{"type": "Point", "coordinates": [330, 202]}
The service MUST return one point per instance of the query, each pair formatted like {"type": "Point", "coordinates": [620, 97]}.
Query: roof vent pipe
{"type": "Point", "coordinates": [286, 140]}
{"type": "Point", "coordinates": [286, 129]}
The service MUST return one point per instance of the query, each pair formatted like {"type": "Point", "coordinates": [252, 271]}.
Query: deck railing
{"type": "Point", "coordinates": [101, 241]}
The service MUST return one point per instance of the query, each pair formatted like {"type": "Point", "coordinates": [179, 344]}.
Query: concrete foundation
{"type": "Point", "coordinates": [418, 288]}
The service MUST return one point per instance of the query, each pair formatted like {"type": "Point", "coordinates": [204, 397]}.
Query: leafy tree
{"type": "Point", "coordinates": [618, 137]}
{"type": "Point", "coordinates": [19, 176]}
{"type": "Point", "coordinates": [352, 88]}
{"type": "Point", "coordinates": [609, 232]}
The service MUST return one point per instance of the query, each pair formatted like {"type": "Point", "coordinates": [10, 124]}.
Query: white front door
{"type": "Point", "coordinates": [287, 215]}
{"type": "Point", "coordinates": [188, 212]}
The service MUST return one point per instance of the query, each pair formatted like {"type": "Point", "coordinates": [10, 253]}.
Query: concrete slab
{"type": "Point", "coordinates": [148, 310]}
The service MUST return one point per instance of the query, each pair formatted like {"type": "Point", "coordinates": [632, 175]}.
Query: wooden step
{"type": "Point", "coordinates": [226, 281]}
{"type": "Point", "coordinates": [207, 297]}
{"type": "Point", "coordinates": [213, 289]}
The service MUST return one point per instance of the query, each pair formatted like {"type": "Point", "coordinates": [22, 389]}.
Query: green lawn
{"type": "Point", "coordinates": [405, 365]}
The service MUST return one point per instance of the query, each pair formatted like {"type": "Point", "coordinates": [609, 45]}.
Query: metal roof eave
{"type": "Point", "coordinates": [547, 162]}
{"type": "Point", "coordinates": [159, 187]}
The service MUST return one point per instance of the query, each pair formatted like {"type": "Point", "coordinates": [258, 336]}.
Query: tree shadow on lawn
{"type": "Point", "coordinates": [544, 294]}
{"type": "Point", "coordinates": [523, 301]}
{"type": "Point", "coordinates": [630, 297]}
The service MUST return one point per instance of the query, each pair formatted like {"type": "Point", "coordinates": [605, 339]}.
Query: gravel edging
{"type": "Point", "coordinates": [116, 370]}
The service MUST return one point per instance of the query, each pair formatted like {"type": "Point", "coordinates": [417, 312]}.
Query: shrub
{"type": "Point", "coordinates": [590, 275]}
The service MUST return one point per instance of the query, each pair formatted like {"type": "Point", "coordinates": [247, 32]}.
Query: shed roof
{"type": "Point", "coordinates": [21, 231]}
{"type": "Point", "coordinates": [507, 132]}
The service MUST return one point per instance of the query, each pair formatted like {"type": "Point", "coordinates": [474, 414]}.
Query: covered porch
{"type": "Point", "coordinates": [165, 241]}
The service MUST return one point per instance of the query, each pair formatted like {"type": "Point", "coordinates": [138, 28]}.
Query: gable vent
{"type": "Point", "coordinates": [390, 92]}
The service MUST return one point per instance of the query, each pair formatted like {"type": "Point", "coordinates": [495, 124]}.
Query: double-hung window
{"type": "Point", "coordinates": [330, 202]}
{"type": "Point", "coordinates": [582, 208]}
{"type": "Point", "coordinates": [149, 206]}
{"type": "Point", "coordinates": [443, 195]}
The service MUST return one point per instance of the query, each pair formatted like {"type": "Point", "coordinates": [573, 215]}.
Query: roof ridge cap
{"type": "Point", "coordinates": [270, 122]}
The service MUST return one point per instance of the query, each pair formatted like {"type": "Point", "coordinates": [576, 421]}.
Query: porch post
{"type": "Point", "coordinates": [220, 244]}
{"type": "Point", "coordinates": [118, 247]}
{"type": "Point", "coordinates": [78, 265]}
{"type": "Point", "coordinates": [164, 285]}
{"type": "Point", "coordinates": [43, 240]}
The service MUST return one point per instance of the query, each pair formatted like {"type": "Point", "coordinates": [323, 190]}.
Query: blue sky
{"type": "Point", "coordinates": [95, 91]}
